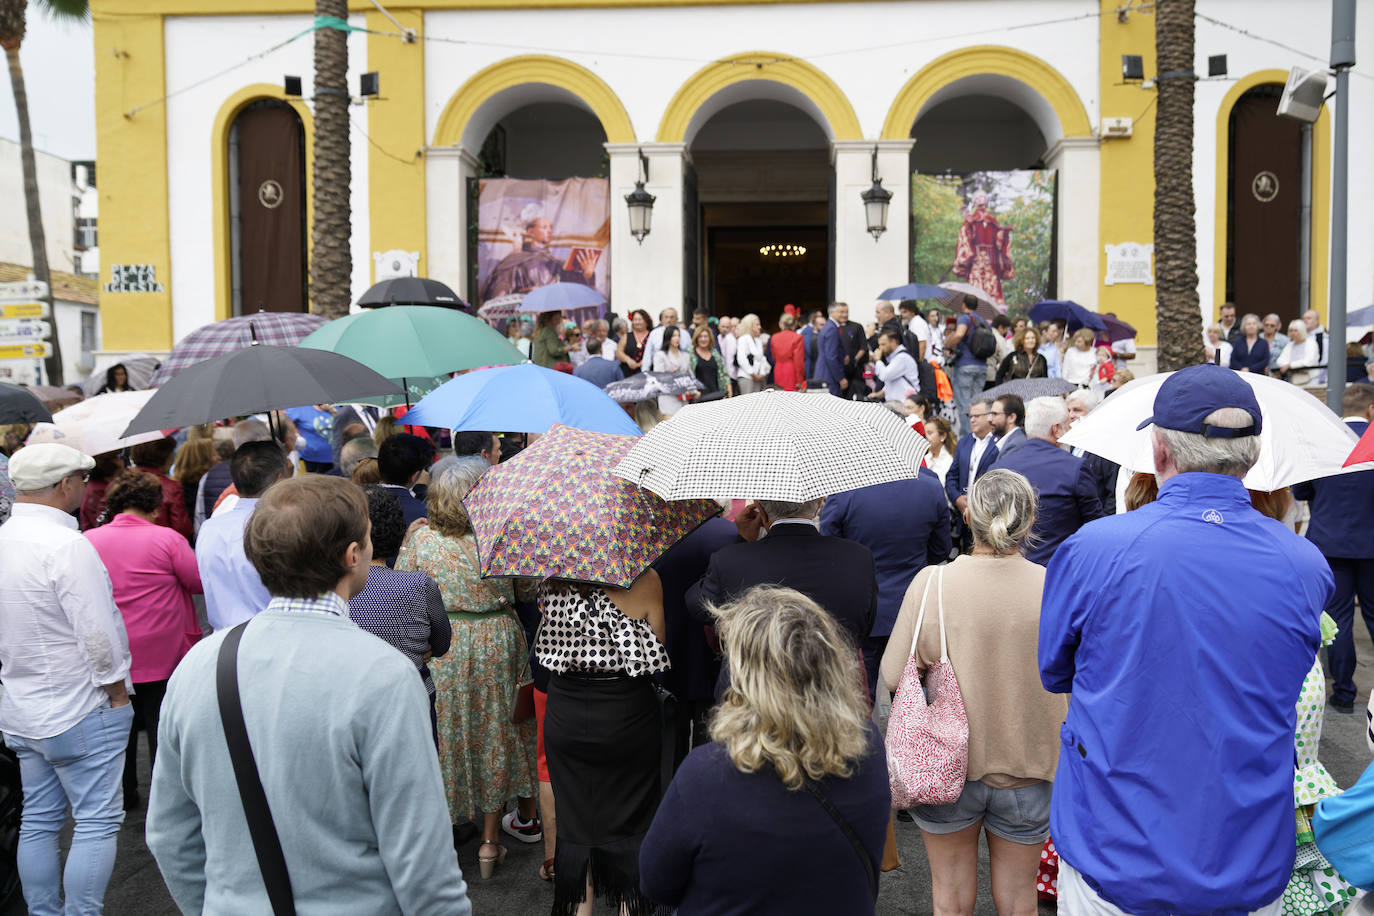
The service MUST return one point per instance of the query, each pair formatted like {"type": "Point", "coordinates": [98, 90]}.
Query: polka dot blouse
{"type": "Point", "coordinates": [590, 634]}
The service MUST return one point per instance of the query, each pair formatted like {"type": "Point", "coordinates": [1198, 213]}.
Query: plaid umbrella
{"type": "Point", "coordinates": [644, 385]}
{"type": "Point", "coordinates": [279, 329]}
{"type": "Point", "coordinates": [556, 511]}
{"type": "Point", "coordinates": [783, 445]}
{"type": "Point", "coordinates": [1029, 388]}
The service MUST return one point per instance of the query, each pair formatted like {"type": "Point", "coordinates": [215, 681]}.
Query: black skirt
{"type": "Point", "coordinates": [602, 739]}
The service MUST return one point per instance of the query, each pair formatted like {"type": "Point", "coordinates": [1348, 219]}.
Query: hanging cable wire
{"type": "Point", "coordinates": [390, 155]}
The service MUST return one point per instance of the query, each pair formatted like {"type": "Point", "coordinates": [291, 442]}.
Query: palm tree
{"type": "Point", "coordinates": [12, 27]}
{"type": "Point", "coordinates": [331, 263]}
{"type": "Point", "coordinates": [1176, 298]}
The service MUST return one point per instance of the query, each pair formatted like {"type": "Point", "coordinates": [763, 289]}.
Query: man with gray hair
{"type": "Point", "coordinates": [782, 545]}
{"type": "Point", "coordinates": [215, 481]}
{"type": "Point", "coordinates": [1065, 494]}
{"type": "Point", "coordinates": [1178, 744]}
{"type": "Point", "coordinates": [1104, 473]}
{"type": "Point", "coordinates": [354, 452]}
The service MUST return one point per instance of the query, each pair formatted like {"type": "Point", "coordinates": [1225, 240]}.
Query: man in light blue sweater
{"type": "Point", "coordinates": [339, 727]}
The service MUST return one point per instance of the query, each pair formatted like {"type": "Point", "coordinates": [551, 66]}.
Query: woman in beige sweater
{"type": "Point", "coordinates": [992, 618]}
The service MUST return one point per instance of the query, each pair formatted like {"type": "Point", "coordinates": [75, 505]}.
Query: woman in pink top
{"type": "Point", "coordinates": [153, 571]}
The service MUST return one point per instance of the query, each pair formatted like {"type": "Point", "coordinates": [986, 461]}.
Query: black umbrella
{"type": "Point", "coordinates": [256, 379]}
{"type": "Point", "coordinates": [18, 405]}
{"type": "Point", "coordinates": [411, 291]}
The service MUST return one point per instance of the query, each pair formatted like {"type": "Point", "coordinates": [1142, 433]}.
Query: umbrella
{"type": "Point", "coordinates": [784, 445]}
{"type": "Point", "coordinates": [1117, 329]}
{"type": "Point", "coordinates": [18, 405]}
{"type": "Point", "coordinates": [501, 307]}
{"type": "Point", "coordinates": [413, 387]}
{"type": "Point", "coordinates": [55, 398]}
{"type": "Point", "coordinates": [96, 425]}
{"type": "Point", "coordinates": [521, 399]}
{"type": "Point", "coordinates": [1300, 440]}
{"type": "Point", "coordinates": [914, 291]}
{"type": "Point", "coordinates": [1029, 388]}
{"type": "Point", "coordinates": [257, 379]}
{"type": "Point", "coordinates": [411, 291]}
{"type": "Point", "coordinates": [139, 367]}
{"type": "Point", "coordinates": [1364, 449]}
{"type": "Point", "coordinates": [280, 329]}
{"type": "Point", "coordinates": [644, 385]}
{"type": "Point", "coordinates": [560, 297]}
{"type": "Point", "coordinates": [1361, 316]}
{"type": "Point", "coordinates": [556, 511]}
{"type": "Point", "coordinates": [954, 299]}
{"type": "Point", "coordinates": [1075, 315]}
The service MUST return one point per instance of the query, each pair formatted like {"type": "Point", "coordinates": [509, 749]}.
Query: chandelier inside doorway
{"type": "Point", "coordinates": [783, 250]}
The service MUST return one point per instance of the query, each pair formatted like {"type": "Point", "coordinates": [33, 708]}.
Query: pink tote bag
{"type": "Point", "coordinates": [927, 743]}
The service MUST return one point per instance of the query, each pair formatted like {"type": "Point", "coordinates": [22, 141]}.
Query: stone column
{"type": "Point", "coordinates": [1079, 244]}
{"type": "Point", "coordinates": [865, 267]}
{"type": "Point", "coordinates": [447, 169]}
{"type": "Point", "coordinates": [647, 275]}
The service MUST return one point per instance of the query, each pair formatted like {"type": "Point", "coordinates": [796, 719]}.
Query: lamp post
{"type": "Point", "coordinates": [641, 203]}
{"type": "Point", "coordinates": [875, 201]}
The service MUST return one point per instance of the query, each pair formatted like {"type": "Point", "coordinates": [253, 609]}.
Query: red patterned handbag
{"type": "Point", "coordinates": [927, 744]}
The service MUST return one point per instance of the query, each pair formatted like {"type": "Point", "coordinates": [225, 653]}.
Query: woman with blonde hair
{"type": "Point", "coordinates": [1079, 360]}
{"type": "Point", "coordinates": [991, 611]}
{"type": "Point", "coordinates": [746, 825]}
{"type": "Point", "coordinates": [749, 355]}
{"type": "Point", "coordinates": [196, 456]}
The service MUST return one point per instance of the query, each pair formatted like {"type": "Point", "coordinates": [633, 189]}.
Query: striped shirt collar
{"type": "Point", "coordinates": [326, 603]}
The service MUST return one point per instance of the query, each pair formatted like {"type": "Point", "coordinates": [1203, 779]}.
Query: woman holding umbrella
{"type": "Point", "coordinates": [1026, 360]}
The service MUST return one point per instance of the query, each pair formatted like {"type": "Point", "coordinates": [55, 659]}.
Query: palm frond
{"type": "Point", "coordinates": [66, 10]}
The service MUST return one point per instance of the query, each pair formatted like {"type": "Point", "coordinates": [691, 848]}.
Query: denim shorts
{"type": "Point", "coordinates": [1016, 815]}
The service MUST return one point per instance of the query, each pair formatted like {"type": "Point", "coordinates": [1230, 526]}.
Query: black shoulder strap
{"type": "Point", "coordinates": [849, 833]}
{"type": "Point", "coordinates": [266, 844]}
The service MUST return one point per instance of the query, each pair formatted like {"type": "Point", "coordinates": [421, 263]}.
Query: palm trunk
{"type": "Point", "coordinates": [37, 241]}
{"type": "Point", "coordinates": [330, 257]}
{"type": "Point", "coordinates": [1176, 297]}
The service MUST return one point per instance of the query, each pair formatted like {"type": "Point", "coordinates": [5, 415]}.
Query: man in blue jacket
{"type": "Point", "coordinates": [1342, 527]}
{"type": "Point", "coordinates": [1174, 792]}
{"type": "Point", "coordinates": [906, 525]}
{"type": "Point", "coordinates": [1065, 495]}
{"type": "Point", "coordinates": [830, 360]}
{"type": "Point", "coordinates": [973, 456]}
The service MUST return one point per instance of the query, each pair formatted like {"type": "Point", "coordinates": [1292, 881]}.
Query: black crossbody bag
{"type": "Point", "coordinates": [849, 834]}
{"type": "Point", "coordinates": [266, 843]}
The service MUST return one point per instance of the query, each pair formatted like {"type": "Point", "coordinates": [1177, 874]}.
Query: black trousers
{"type": "Point", "coordinates": [147, 700]}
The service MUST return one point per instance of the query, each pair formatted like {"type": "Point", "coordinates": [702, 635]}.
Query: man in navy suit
{"type": "Point", "coordinates": [1065, 495]}
{"type": "Point", "coordinates": [906, 525]}
{"type": "Point", "coordinates": [830, 359]}
{"type": "Point", "coordinates": [974, 455]}
{"type": "Point", "coordinates": [1007, 415]}
{"type": "Point", "coordinates": [1342, 527]}
{"type": "Point", "coordinates": [811, 340]}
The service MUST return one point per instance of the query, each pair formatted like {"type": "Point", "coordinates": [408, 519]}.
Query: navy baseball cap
{"type": "Point", "coordinates": [1188, 396]}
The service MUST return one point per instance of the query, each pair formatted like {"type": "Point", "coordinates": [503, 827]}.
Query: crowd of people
{"type": "Point", "coordinates": [304, 592]}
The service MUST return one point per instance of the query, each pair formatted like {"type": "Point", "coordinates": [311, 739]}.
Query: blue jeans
{"type": "Point", "coordinates": [82, 766]}
{"type": "Point", "coordinates": [968, 382]}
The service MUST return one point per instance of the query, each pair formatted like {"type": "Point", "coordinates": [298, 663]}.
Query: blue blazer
{"type": "Point", "coordinates": [1342, 508]}
{"type": "Point", "coordinates": [1256, 359]}
{"type": "Point", "coordinates": [906, 525]}
{"type": "Point", "coordinates": [830, 359]}
{"type": "Point", "coordinates": [1066, 495]}
{"type": "Point", "coordinates": [808, 333]}
{"type": "Point", "coordinates": [1011, 443]}
{"type": "Point", "coordinates": [957, 477]}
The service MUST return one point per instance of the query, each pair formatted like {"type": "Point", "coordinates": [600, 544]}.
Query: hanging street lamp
{"type": "Point", "coordinates": [641, 203]}
{"type": "Point", "coordinates": [875, 201]}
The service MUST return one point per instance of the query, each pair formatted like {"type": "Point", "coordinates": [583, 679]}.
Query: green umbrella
{"type": "Point", "coordinates": [420, 342]}
{"type": "Point", "coordinates": [416, 387]}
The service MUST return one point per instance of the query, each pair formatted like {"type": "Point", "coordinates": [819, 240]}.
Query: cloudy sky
{"type": "Point", "coordinates": [59, 73]}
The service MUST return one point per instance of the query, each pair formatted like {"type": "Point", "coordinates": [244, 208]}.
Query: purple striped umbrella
{"type": "Point", "coordinates": [277, 329]}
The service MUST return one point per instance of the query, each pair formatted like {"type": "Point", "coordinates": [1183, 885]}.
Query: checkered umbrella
{"type": "Point", "coordinates": [1028, 389]}
{"type": "Point", "coordinates": [782, 445]}
{"type": "Point", "coordinates": [278, 329]}
{"type": "Point", "coordinates": [556, 511]}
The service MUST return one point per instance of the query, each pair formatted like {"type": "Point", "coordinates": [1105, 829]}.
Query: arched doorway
{"type": "Point", "coordinates": [267, 209]}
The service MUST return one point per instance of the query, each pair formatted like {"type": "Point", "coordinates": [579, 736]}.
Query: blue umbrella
{"type": "Point", "coordinates": [914, 291]}
{"type": "Point", "coordinates": [1074, 314]}
{"type": "Point", "coordinates": [521, 399]}
{"type": "Point", "coordinates": [1360, 317]}
{"type": "Point", "coordinates": [560, 297]}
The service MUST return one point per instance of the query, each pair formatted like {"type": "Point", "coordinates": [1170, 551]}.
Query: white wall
{"type": "Point", "coordinates": [202, 45]}
{"type": "Point", "coordinates": [68, 329]}
{"type": "Point", "coordinates": [55, 193]}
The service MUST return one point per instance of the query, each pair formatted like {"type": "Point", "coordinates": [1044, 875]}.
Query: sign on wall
{"type": "Point", "coordinates": [1129, 262]}
{"type": "Point", "coordinates": [133, 278]}
{"type": "Point", "coordinates": [992, 230]}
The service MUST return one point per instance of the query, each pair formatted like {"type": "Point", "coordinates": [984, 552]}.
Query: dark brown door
{"type": "Point", "coordinates": [271, 157]}
{"type": "Point", "coordinates": [1265, 204]}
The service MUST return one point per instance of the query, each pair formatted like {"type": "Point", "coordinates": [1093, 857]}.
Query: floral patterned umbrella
{"type": "Point", "coordinates": [556, 511]}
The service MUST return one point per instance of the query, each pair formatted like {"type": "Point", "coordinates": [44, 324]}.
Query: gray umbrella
{"type": "Point", "coordinates": [18, 405]}
{"type": "Point", "coordinates": [644, 385]}
{"type": "Point", "coordinates": [1028, 388]}
{"type": "Point", "coordinates": [256, 379]}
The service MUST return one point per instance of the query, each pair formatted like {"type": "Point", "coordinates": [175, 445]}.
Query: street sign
{"type": "Point", "coordinates": [29, 329]}
{"type": "Point", "coordinates": [24, 351]}
{"type": "Point", "coordinates": [22, 290]}
{"type": "Point", "coordinates": [23, 309]}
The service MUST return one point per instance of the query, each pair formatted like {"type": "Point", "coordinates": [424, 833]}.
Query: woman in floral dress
{"type": "Point", "coordinates": [485, 759]}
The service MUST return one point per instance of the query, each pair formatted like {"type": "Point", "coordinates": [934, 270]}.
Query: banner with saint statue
{"type": "Point", "coordinates": [534, 232]}
{"type": "Point", "coordinates": [992, 230]}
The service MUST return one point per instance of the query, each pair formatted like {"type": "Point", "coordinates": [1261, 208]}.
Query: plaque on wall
{"type": "Point", "coordinates": [1130, 262]}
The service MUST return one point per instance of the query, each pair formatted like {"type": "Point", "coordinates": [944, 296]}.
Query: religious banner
{"type": "Point", "coordinates": [534, 232]}
{"type": "Point", "coordinates": [992, 230]}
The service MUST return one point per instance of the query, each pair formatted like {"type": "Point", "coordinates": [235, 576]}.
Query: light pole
{"type": "Point", "coordinates": [1342, 59]}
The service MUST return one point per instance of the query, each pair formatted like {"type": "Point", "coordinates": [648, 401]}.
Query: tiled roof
{"type": "Point", "coordinates": [65, 286]}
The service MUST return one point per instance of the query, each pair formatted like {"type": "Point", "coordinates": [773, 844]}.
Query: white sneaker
{"type": "Point", "coordinates": [531, 831]}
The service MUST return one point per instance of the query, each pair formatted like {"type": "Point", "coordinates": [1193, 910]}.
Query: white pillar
{"type": "Point", "coordinates": [864, 267]}
{"type": "Point", "coordinates": [447, 169]}
{"type": "Point", "coordinates": [647, 275]}
{"type": "Point", "coordinates": [1077, 162]}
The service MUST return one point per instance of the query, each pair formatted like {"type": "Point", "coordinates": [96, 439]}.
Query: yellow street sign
{"type": "Point", "coordinates": [24, 310]}
{"type": "Point", "coordinates": [24, 351]}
